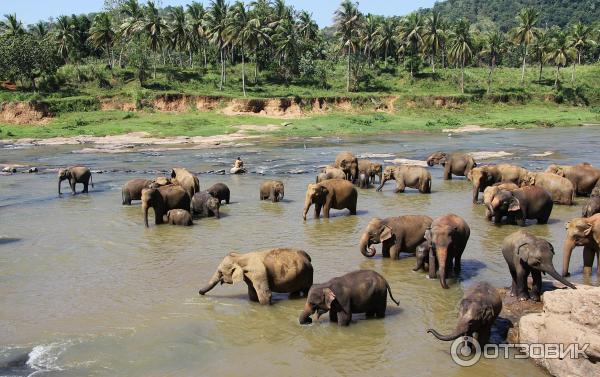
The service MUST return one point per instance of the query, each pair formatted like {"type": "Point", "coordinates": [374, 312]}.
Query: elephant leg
{"type": "Point", "coordinates": [344, 318]}
{"type": "Point", "coordinates": [395, 251]}
{"type": "Point", "coordinates": [400, 186]}
{"type": "Point", "coordinates": [317, 210]}
{"type": "Point", "coordinates": [333, 316]}
{"type": "Point", "coordinates": [447, 172]}
{"type": "Point", "coordinates": [522, 290]}
{"type": "Point", "coordinates": [252, 295]}
{"type": "Point", "coordinates": [326, 208]}
{"type": "Point", "coordinates": [513, 287]}
{"type": "Point", "coordinates": [264, 296]}
{"type": "Point", "coordinates": [72, 184]}
{"type": "Point", "coordinates": [536, 287]}
{"type": "Point", "coordinates": [385, 250]}
{"type": "Point", "coordinates": [483, 335]}
{"type": "Point", "coordinates": [588, 259]}
{"type": "Point", "coordinates": [85, 187]}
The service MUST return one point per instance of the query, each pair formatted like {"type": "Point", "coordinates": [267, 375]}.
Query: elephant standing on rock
{"type": "Point", "coordinates": [487, 175]}
{"type": "Point", "coordinates": [583, 232]}
{"type": "Point", "coordinates": [179, 217]}
{"type": "Point", "coordinates": [527, 254]}
{"type": "Point", "coordinates": [132, 190]}
{"type": "Point", "coordinates": [272, 190]}
{"type": "Point", "coordinates": [412, 176]}
{"type": "Point", "coordinates": [396, 234]}
{"type": "Point", "coordinates": [220, 191]}
{"type": "Point", "coordinates": [333, 193]}
{"type": "Point", "coordinates": [348, 163]}
{"type": "Point", "coordinates": [330, 172]}
{"type": "Point", "coordinates": [371, 169]}
{"type": "Point", "coordinates": [282, 270]}
{"type": "Point", "coordinates": [456, 163]}
{"type": "Point", "coordinates": [205, 205]}
{"type": "Point", "coordinates": [363, 291]}
{"type": "Point", "coordinates": [491, 191]}
{"type": "Point", "coordinates": [187, 180]}
{"type": "Point", "coordinates": [445, 241]}
{"type": "Point", "coordinates": [583, 176]}
{"type": "Point", "coordinates": [75, 174]}
{"type": "Point", "coordinates": [163, 199]}
{"type": "Point", "coordinates": [561, 189]}
{"type": "Point", "coordinates": [478, 310]}
{"type": "Point", "coordinates": [529, 202]}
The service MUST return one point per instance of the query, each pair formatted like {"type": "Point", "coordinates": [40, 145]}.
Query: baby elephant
{"type": "Point", "coordinates": [407, 176]}
{"type": "Point", "coordinates": [527, 254]}
{"type": "Point", "coordinates": [529, 202]}
{"type": "Point", "coordinates": [363, 291]}
{"type": "Point", "coordinates": [132, 190]}
{"type": "Point", "coordinates": [179, 217]}
{"type": "Point", "coordinates": [205, 205]}
{"type": "Point", "coordinates": [220, 191]}
{"type": "Point", "coordinates": [75, 174]}
{"type": "Point", "coordinates": [478, 309]}
{"type": "Point", "coordinates": [272, 190]}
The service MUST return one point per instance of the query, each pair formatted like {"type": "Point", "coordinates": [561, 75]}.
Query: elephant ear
{"type": "Point", "coordinates": [443, 159]}
{"type": "Point", "coordinates": [428, 234]}
{"type": "Point", "coordinates": [386, 233]}
{"type": "Point", "coordinates": [237, 275]}
{"type": "Point", "coordinates": [328, 297]}
{"type": "Point", "coordinates": [588, 229]}
{"type": "Point", "coordinates": [514, 205]}
{"type": "Point", "coordinates": [550, 247]}
{"type": "Point", "coordinates": [523, 251]}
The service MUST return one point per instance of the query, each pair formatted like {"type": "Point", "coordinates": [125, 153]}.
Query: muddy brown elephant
{"type": "Point", "coordinates": [477, 312]}
{"type": "Point", "coordinates": [179, 217]}
{"type": "Point", "coordinates": [363, 291]}
{"type": "Point", "coordinates": [527, 255]}
{"type": "Point", "coordinates": [491, 191]}
{"type": "Point", "coordinates": [591, 207]}
{"type": "Point", "coordinates": [456, 163]}
{"type": "Point", "coordinates": [529, 202]}
{"type": "Point", "coordinates": [333, 193]}
{"type": "Point", "coordinates": [412, 176]}
{"type": "Point", "coordinates": [396, 234]}
{"type": "Point", "coordinates": [187, 180]}
{"type": "Point", "coordinates": [583, 231]}
{"type": "Point", "coordinates": [75, 175]}
{"type": "Point", "coordinates": [162, 200]}
{"type": "Point", "coordinates": [205, 205]}
{"type": "Point", "coordinates": [561, 189]}
{"type": "Point", "coordinates": [272, 190]}
{"type": "Point", "coordinates": [282, 270]}
{"type": "Point", "coordinates": [487, 175]}
{"type": "Point", "coordinates": [330, 172]}
{"type": "Point", "coordinates": [446, 241]}
{"type": "Point", "coordinates": [371, 169]}
{"type": "Point", "coordinates": [220, 191]}
{"type": "Point", "coordinates": [348, 163]}
{"type": "Point", "coordinates": [132, 190]}
{"type": "Point", "coordinates": [584, 176]}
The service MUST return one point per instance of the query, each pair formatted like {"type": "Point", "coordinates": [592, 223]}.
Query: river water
{"type": "Point", "coordinates": [86, 289]}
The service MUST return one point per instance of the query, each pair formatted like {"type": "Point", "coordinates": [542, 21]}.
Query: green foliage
{"type": "Point", "coordinates": [72, 104]}
{"type": "Point", "coordinates": [24, 57]}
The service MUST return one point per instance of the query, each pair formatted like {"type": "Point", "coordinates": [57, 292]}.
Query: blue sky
{"type": "Point", "coordinates": [31, 11]}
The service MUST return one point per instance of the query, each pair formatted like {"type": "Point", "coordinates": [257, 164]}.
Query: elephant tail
{"type": "Point", "coordinates": [389, 290]}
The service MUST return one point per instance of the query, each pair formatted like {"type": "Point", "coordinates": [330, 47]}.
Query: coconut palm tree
{"type": "Point", "coordinates": [460, 48]}
{"type": "Point", "coordinates": [102, 35]}
{"type": "Point", "coordinates": [347, 19]}
{"type": "Point", "coordinates": [11, 25]}
{"type": "Point", "coordinates": [493, 48]}
{"type": "Point", "coordinates": [581, 38]}
{"type": "Point", "coordinates": [385, 35]}
{"type": "Point", "coordinates": [178, 32]}
{"type": "Point", "coordinates": [433, 36]}
{"type": "Point", "coordinates": [368, 35]}
{"type": "Point", "coordinates": [216, 22]}
{"type": "Point", "coordinates": [196, 15]}
{"type": "Point", "coordinates": [40, 30]}
{"type": "Point", "coordinates": [540, 48]}
{"type": "Point", "coordinates": [307, 27]}
{"type": "Point", "coordinates": [64, 37]}
{"type": "Point", "coordinates": [133, 19]}
{"type": "Point", "coordinates": [560, 53]}
{"type": "Point", "coordinates": [525, 32]}
{"type": "Point", "coordinates": [411, 33]}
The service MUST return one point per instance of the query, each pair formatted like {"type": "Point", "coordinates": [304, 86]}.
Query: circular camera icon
{"type": "Point", "coordinates": [465, 351]}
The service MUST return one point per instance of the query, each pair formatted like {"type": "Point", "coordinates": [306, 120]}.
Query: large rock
{"type": "Point", "coordinates": [568, 317]}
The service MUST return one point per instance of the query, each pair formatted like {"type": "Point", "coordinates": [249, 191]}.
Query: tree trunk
{"type": "Point", "coordinates": [243, 73]}
{"type": "Point", "coordinates": [155, 58]}
{"type": "Point", "coordinates": [489, 91]}
{"type": "Point", "coordinates": [222, 69]}
{"type": "Point", "coordinates": [557, 73]}
{"type": "Point", "coordinates": [462, 76]}
{"type": "Point", "coordinates": [523, 71]}
{"type": "Point", "coordinates": [433, 62]}
{"type": "Point", "coordinates": [348, 72]}
{"type": "Point", "coordinates": [205, 61]}
{"type": "Point", "coordinates": [541, 71]}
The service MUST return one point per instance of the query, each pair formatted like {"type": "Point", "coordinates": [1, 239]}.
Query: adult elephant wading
{"type": "Point", "coordinates": [455, 163]}
{"type": "Point", "coordinates": [282, 270]}
{"type": "Point", "coordinates": [348, 163]}
{"type": "Point", "coordinates": [333, 193]}
{"type": "Point", "coordinates": [187, 180]}
{"type": "Point", "coordinates": [445, 242]}
{"type": "Point", "coordinates": [412, 176]}
{"type": "Point", "coordinates": [132, 190]}
{"type": "Point", "coordinates": [220, 191]}
{"type": "Point", "coordinates": [583, 232]}
{"type": "Point", "coordinates": [487, 175]}
{"type": "Point", "coordinates": [164, 199]}
{"type": "Point", "coordinates": [396, 234]}
{"type": "Point", "coordinates": [561, 189]}
{"type": "Point", "coordinates": [529, 202]}
{"type": "Point", "coordinates": [583, 176]}
{"type": "Point", "coordinates": [478, 310]}
{"type": "Point", "coordinates": [75, 174]}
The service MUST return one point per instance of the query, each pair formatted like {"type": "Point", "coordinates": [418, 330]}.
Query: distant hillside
{"type": "Point", "coordinates": [503, 12]}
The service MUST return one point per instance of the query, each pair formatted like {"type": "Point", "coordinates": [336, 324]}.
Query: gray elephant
{"type": "Point", "coordinates": [422, 257]}
{"type": "Point", "coordinates": [179, 217]}
{"type": "Point", "coordinates": [205, 205]}
{"type": "Point", "coordinates": [75, 174]}
{"type": "Point", "coordinates": [371, 169]}
{"type": "Point", "coordinates": [412, 176]}
{"type": "Point", "coordinates": [272, 190]}
{"type": "Point", "coordinates": [396, 234]}
{"type": "Point", "coordinates": [583, 231]}
{"type": "Point", "coordinates": [220, 191]}
{"type": "Point", "coordinates": [527, 254]}
{"type": "Point", "coordinates": [477, 312]}
{"type": "Point", "coordinates": [132, 190]}
{"type": "Point", "coordinates": [162, 200]}
{"type": "Point", "coordinates": [591, 207]}
{"type": "Point", "coordinates": [329, 172]}
{"type": "Point", "coordinates": [364, 181]}
{"type": "Point", "coordinates": [333, 193]}
{"type": "Point", "coordinates": [584, 176]}
{"type": "Point", "coordinates": [456, 163]}
{"type": "Point", "coordinates": [187, 180]}
{"type": "Point", "coordinates": [348, 163]}
{"type": "Point", "coordinates": [363, 291]}
{"type": "Point", "coordinates": [282, 270]}
{"type": "Point", "coordinates": [529, 202]}
{"type": "Point", "coordinates": [560, 189]}
{"type": "Point", "coordinates": [487, 175]}
{"type": "Point", "coordinates": [491, 191]}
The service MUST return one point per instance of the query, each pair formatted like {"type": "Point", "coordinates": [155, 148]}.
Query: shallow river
{"type": "Point", "coordinates": [86, 289]}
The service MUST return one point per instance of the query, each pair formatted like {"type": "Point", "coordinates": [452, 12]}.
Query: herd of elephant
{"type": "Point", "coordinates": [510, 193]}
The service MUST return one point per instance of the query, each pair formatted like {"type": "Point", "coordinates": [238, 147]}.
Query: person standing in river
{"type": "Point", "coordinates": [238, 166]}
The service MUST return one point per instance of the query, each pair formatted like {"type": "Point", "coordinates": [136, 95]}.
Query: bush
{"type": "Point", "coordinates": [73, 104]}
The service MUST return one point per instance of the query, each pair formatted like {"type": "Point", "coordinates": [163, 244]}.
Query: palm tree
{"type": "Point", "coordinates": [154, 27]}
{"type": "Point", "coordinates": [102, 34]}
{"type": "Point", "coordinates": [461, 48]}
{"type": "Point", "coordinates": [411, 32]}
{"type": "Point", "coordinates": [347, 19]}
{"type": "Point", "coordinates": [133, 19]}
{"type": "Point", "coordinates": [580, 40]}
{"type": "Point", "coordinates": [40, 30]}
{"type": "Point", "coordinates": [216, 22]}
{"type": "Point", "coordinates": [385, 35]}
{"type": "Point", "coordinates": [493, 48]}
{"type": "Point", "coordinates": [368, 34]}
{"type": "Point", "coordinates": [285, 40]}
{"type": "Point", "coordinates": [64, 37]}
{"type": "Point", "coordinates": [179, 33]}
{"type": "Point", "coordinates": [433, 36]}
{"type": "Point", "coordinates": [11, 25]}
{"type": "Point", "coordinates": [560, 53]}
{"type": "Point", "coordinates": [307, 27]}
{"type": "Point", "coordinates": [525, 32]}
{"type": "Point", "coordinates": [540, 48]}
{"type": "Point", "coordinates": [197, 13]}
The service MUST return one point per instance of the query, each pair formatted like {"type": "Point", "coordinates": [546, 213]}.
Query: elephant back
{"type": "Point", "coordinates": [288, 270]}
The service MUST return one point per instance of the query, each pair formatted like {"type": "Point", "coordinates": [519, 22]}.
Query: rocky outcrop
{"type": "Point", "coordinates": [568, 317]}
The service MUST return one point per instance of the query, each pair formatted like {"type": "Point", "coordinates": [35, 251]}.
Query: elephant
{"type": "Point", "coordinates": [362, 291]}
{"type": "Point", "coordinates": [371, 169]}
{"type": "Point", "coordinates": [477, 312]}
{"type": "Point", "coordinates": [527, 254]}
{"type": "Point", "coordinates": [446, 240]}
{"type": "Point", "coordinates": [187, 180]}
{"type": "Point", "coordinates": [583, 176]}
{"type": "Point", "coordinates": [456, 163]}
{"type": "Point", "coordinates": [75, 175]}
{"type": "Point", "coordinates": [205, 205]}
{"type": "Point", "coordinates": [333, 193]}
{"type": "Point", "coordinates": [163, 199]}
{"type": "Point", "coordinates": [412, 176]}
{"type": "Point", "coordinates": [591, 207]}
{"type": "Point", "coordinates": [348, 163]}
{"type": "Point", "coordinates": [163, 181]}
{"type": "Point", "coordinates": [330, 172]}
{"type": "Point", "coordinates": [396, 234]}
{"type": "Point", "coordinates": [529, 202]}
{"type": "Point", "coordinates": [132, 190]}
{"type": "Point", "coordinates": [422, 257]}
{"type": "Point", "coordinates": [561, 189]}
{"type": "Point", "coordinates": [490, 191]}
{"type": "Point", "coordinates": [364, 181]}
{"type": "Point", "coordinates": [281, 270]}
{"type": "Point", "coordinates": [220, 191]}
{"type": "Point", "coordinates": [487, 175]}
{"type": "Point", "coordinates": [272, 190]}
{"type": "Point", "coordinates": [582, 231]}
{"type": "Point", "coordinates": [179, 217]}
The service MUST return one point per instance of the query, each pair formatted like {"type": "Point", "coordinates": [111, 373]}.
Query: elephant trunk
{"type": "Point", "coordinates": [442, 254]}
{"type": "Point", "coordinates": [59, 182]}
{"type": "Point", "coordinates": [365, 246]}
{"type": "Point", "coordinates": [214, 280]}
{"type": "Point", "coordinates": [304, 318]}
{"type": "Point", "coordinates": [567, 251]}
{"type": "Point", "coordinates": [381, 184]}
{"type": "Point", "coordinates": [552, 272]}
{"type": "Point", "coordinates": [475, 192]}
{"type": "Point", "coordinates": [145, 210]}
{"type": "Point", "coordinates": [461, 329]}
{"type": "Point", "coordinates": [307, 203]}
